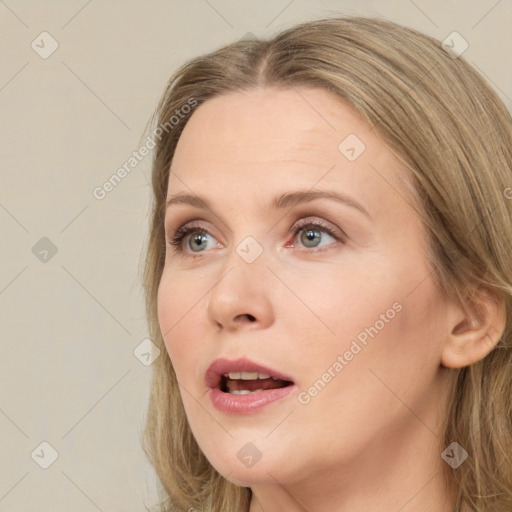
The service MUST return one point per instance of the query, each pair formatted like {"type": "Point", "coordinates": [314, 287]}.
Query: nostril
{"type": "Point", "coordinates": [244, 316]}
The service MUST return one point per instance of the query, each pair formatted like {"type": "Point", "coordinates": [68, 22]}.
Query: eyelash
{"type": "Point", "coordinates": [182, 232]}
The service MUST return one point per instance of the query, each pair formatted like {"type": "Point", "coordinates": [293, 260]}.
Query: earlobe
{"type": "Point", "coordinates": [476, 330]}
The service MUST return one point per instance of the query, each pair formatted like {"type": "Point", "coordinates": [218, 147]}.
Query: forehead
{"type": "Point", "coordinates": [270, 123]}
{"type": "Point", "coordinates": [272, 139]}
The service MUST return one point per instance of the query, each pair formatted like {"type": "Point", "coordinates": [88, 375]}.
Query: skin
{"type": "Point", "coordinates": [371, 438]}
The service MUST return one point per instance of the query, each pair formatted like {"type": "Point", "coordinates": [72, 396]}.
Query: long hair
{"type": "Point", "coordinates": [454, 134]}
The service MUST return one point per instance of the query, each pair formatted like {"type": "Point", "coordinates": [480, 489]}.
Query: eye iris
{"type": "Point", "coordinates": [197, 240]}
{"type": "Point", "coordinates": [309, 236]}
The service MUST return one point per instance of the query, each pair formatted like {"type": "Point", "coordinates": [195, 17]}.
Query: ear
{"type": "Point", "coordinates": [476, 329]}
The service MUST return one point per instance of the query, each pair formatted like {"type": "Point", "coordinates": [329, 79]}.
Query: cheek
{"type": "Point", "coordinates": [175, 306]}
{"type": "Point", "coordinates": [386, 348]}
{"type": "Point", "coordinates": [350, 300]}
{"type": "Point", "coordinates": [380, 314]}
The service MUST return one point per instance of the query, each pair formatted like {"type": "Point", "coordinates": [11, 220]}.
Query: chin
{"type": "Point", "coordinates": [248, 477]}
{"type": "Point", "coordinates": [247, 467]}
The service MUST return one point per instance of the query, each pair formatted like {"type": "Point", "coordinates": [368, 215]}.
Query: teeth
{"type": "Point", "coordinates": [246, 375]}
{"type": "Point", "coordinates": [243, 391]}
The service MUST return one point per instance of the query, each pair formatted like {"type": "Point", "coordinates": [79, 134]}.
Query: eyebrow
{"type": "Point", "coordinates": [288, 199]}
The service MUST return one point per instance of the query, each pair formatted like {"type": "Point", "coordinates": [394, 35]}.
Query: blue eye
{"type": "Point", "coordinates": [310, 235]}
{"type": "Point", "coordinates": [199, 240]}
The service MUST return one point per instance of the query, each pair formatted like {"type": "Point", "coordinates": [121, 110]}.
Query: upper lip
{"type": "Point", "coordinates": [221, 366]}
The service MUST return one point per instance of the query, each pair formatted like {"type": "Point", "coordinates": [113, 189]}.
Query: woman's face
{"type": "Point", "coordinates": [333, 298]}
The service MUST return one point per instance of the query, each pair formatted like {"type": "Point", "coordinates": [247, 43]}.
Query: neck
{"type": "Point", "coordinates": [405, 484]}
{"type": "Point", "coordinates": [399, 471]}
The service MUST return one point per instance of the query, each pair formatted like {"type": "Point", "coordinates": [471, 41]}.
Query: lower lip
{"type": "Point", "coordinates": [246, 404]}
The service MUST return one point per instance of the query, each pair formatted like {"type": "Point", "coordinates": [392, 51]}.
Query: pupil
{"type": "Point", "coordinates": [198, 239]}
{"type": "Point", "coordinates": [311, 234]}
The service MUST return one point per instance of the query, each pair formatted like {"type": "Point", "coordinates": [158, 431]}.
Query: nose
{"type": "Point", "coordinates": [242, 296]}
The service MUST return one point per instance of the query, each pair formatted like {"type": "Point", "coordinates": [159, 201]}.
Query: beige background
{"type": "Point", "coordinates": [70, 323]}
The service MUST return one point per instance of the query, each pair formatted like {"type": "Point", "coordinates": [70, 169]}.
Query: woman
{"type": "Point", "coordinates": [329, 275]}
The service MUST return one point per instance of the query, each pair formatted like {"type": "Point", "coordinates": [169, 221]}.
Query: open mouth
{"type": "Point", "coordinates": [243, 386]}
{"type": "Point", "coordinates": [242, 376]}
{"type": "Point", "coordinates": [244, 383]}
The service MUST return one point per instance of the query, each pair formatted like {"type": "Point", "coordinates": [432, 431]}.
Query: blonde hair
{"type": "Point", "coordinates": [455, 135]}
